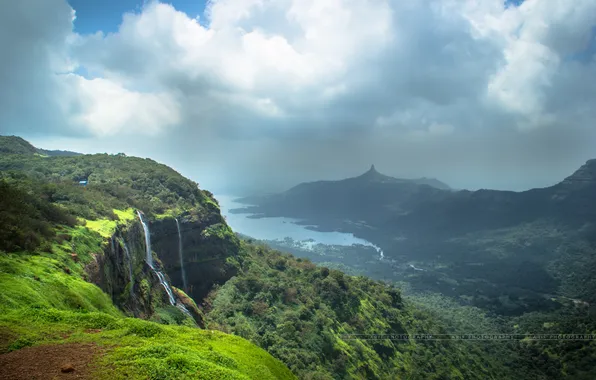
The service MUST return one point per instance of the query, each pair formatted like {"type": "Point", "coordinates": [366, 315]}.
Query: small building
{"type": "Point", "coordinates": [83, 182]}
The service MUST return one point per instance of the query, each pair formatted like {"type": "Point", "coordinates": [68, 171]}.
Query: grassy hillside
{"type": "Point", "coordinates": [45, 300]}
{"type": "Point", "coordinates": [52, 230]}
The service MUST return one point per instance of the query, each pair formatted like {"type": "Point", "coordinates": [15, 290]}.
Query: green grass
{"type": "Point", "coordinates": [40, 281]}
{"type": "Point", "coordinates": [138, 349]}
{"type": "Point", "coordinates": [148, 350]}
{"type": "Point", "coordinates": [125, 215]}
{"type": "Point", "coordinates": [104, 227]}
{"type": "Point", "coordinates": [45, 300]}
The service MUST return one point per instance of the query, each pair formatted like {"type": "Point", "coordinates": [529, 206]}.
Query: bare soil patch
{"type": "Point", "coordinates": [56, 361]}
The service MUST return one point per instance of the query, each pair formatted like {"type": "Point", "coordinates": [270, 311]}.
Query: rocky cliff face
{"type": "Point", "coordinates": [121, 270]}
{"type": "Point", "coordinates": [210, 252]}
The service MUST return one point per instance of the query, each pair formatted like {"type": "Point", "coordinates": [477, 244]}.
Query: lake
{"type": "Point", "coordinates": [282, 228]}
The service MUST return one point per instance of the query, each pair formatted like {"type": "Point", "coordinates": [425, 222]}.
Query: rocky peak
{"type": "Point", "coordinates": [585, 175]}
{"type": "Point", "coordinates": [373, 175]}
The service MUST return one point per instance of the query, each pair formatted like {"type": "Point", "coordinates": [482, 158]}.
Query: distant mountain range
{"type": "Point", "coordinates": [355, 198]}
{"type": "Point", "coordinates": [425, 205]}
{"type": "Point", "coordinates": [486, 245]}
{"type": "Point", "coordinates": [373, 176]}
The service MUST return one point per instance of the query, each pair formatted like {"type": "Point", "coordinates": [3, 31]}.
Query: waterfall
{"type": "Point", "coordinates": [166, 286]}
{"type": "Point", "coordinates": [129, 259]}
{"type": "Point", "coordinates": [147, 240]}
{"type": "Point", "coordinates": [160, 276]}
{"type": "Point", "coordinates": [181, 255]}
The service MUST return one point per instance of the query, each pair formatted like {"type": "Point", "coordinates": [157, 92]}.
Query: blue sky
{"type": "Point", "coordinates": [513, 2]}
{"type": "Point", "coordinates": [106, 15]}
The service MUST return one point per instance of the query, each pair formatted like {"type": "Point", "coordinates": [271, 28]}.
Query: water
{"type": "Point", "coordinates": [149, 257]}
{"type": "Point", "coordinates": [130, 274]}
{"type": "Point", "coordinates": [160, 276]}
{"type": "Point", "coordinates": [166, 286]}
{"type": "Point", "coordinates": [279, 228]}
{"type": "Point", "coordinates": [181, 255]}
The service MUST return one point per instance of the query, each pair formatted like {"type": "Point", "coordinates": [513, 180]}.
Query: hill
{"type": "Point", "coordinates": [370, 196]}
{"type": "Point", "coordinates": [18, 145]}
{"type": "Point", "coordinates": [130, 276]}
{"type": "Point", "coordinates": [82, 286]}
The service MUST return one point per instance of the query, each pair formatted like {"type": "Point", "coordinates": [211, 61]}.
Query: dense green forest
{"type": "Point", "coordinates": [303, 314]}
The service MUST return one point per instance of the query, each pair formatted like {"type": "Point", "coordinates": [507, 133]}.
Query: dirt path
{"type": "Point", "coordinates": [49, 362]}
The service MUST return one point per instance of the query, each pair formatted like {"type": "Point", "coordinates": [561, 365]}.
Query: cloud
{"type": "Point", "coordinates": [108, 108]}
{"type": "Point", "coordinates": [275, 92]}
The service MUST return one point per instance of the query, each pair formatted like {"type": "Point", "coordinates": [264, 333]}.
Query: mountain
{"type": "Point", "coordinates": [372, 175]}
{"type": "Point", "coordinates": [569, 202]}
{"type": "Point", "coordinates": [137, 275]}
{"type": "Point", "coordinates": [415, 208]}
{"type": "Point", "coordinates": [370, 196]}
{"type": "Point", "coordinates": [18, 145]}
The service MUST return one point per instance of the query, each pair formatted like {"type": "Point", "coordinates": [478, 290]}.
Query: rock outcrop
{"type": "Point", "coordinates": [585, 175]}
{"type": "Point", "coordinates": [210, 252]}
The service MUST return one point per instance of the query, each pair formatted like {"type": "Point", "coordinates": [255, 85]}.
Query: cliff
{"type": "Point", "coordinates": [210, 253]}
{"type": "Point", "coordinates": [76, 261]}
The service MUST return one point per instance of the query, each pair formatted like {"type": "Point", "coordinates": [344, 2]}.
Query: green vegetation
{"type": "Point", "coordinates": [303, 314]}
{"type": "Point", "coordinates": [54, 235]}
{"type": "Point", "coordinates": [138, 349]}
{"type": "Point", "coordinates": [16, 145]}
{"type": "Point", "coordinates": [45, 300]}
{"type": "Point", "coordinates": [59, 239]}
{"type": "Point", "coordinates": [115, 182]}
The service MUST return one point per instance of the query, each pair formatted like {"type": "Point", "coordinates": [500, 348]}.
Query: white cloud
{"type": "Point", "coordinates": [107, 108]}
{"type": "Point", "coordinates": [322, 76]}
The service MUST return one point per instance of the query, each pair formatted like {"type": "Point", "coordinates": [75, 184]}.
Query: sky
{"type": "Point", "coordinates": [259, 95]}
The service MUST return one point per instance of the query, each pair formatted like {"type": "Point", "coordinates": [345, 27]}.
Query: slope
{"type": "Point", "coordinates": [73, 273]}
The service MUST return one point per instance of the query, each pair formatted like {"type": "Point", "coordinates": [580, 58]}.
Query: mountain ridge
{"type": "Point", "coordinates": [18, 145]}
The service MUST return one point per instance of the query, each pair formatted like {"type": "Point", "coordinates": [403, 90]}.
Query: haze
{"type": "Point", "coordinates": [258, 95]}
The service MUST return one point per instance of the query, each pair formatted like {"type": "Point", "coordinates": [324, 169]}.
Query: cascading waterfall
{"type": "Point", "coordinates": [147, 240]}
{"type": "Point", "coordinates": [130, 274]}
{"type": "Point", "coordinates": [166, 286]}
{"type": "Point", "coordinates": [160, 276]}
{"type": "Point", "coordinates": [181, 255]}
